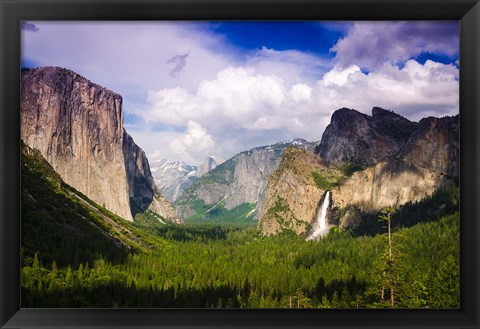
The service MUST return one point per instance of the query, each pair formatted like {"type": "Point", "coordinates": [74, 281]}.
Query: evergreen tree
{"type": "Point", "coordinates": [445, 284]}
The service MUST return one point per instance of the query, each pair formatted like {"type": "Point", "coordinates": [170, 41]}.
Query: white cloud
{"type": "Point", "coordinates": [129, 57]}
{"type": "Point", "coordinates": [411, 91]}
{"type": "Point", "coordinates": [269, 122]}
{"type": "Point", "coordinates": [338, 76]}
{"type": "Point", "coordinates": [300, 92]}
{"type": "Point", "coordinates": [240, 89]}
{"type": "Point", "coordinates": [211, 98]}
{"type": "Point", "coordinates": [170, 106]}
{"type": "Point", "coordinates": [194, 144]}
{"type": "Point", "coordinates": [240, 106]}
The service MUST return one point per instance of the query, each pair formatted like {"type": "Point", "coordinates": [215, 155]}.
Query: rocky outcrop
{"type": "Point", "coordinates": [143, 193]}
{"type": "Point", "coordinates": [350, 218]}
{"type": "Point", "coordinates": [293, 195]}
{"type": "Point", "coordinates": [354, 137]}
{"type": "Point", "coordinates": [250, 176]}
{"type": "Point", "coordinates": [78, 128]}
{"type": "Point", "coordinates": [413, 165]}
{"type": "Point", "coordinates": [389, 183]}
{"type": "Point", "coordinates": [238, 181]}
{"type": "Point", "coordinates": [429, 160]}
{"type": "Point", "coordinates": [209, 164]}
{"type": "Point", "coordinates": [435, 145]}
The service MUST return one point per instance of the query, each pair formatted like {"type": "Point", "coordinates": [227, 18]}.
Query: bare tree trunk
{"type": "Point", "coordinates": [386, 215]}
{"type": "Point", "coordinates": [389, 241]}
{"type": "Point", "coordinates": [390, 255]}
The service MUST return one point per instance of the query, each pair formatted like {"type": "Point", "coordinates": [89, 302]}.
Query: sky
{"type": "Point", "coordinates": [194, 89]}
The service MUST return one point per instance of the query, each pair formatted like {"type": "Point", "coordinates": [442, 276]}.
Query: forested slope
{"type": "Point", "coordinates": [77, 254]}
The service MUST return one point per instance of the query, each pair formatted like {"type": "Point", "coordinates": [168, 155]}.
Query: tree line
{"type": "Point", "coordinates": [249, 271]}
{"type": "Point", "coordinates": [77, 255]}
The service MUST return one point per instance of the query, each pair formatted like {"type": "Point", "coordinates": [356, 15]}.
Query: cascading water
{"type": "Point", "coordinates": [320, 227]}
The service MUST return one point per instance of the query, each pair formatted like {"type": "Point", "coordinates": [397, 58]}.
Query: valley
{"type": "Point", "coordinates": [91, 258]}
{"type": "Point", "coordinates": [294, 224]}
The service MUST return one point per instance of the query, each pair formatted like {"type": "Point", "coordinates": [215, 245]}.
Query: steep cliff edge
{"type": "Point", "coordinates": [236, 186]}
{"type": "Point", "coordinates": [354, 137]}
{"type": "Point", "coordinates": [435, 145]}
{"type": "Point", "coordinates": [429, 160]}
{"type": "Point", "coordinates": [143, 193]}
{"type": "Point", "coordinates": [390, 183]}
{"type": "Point", "coordinates": [294, 192]}
{"type": "Point", "coordinates": [405, 166]}
{"type": "Point", "coordinates": [78, 127]}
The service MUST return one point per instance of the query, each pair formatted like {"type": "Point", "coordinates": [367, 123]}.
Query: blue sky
{"type": "Point", "coordinates": [192, 89]}
{"type": "Point", "coordinates": [312, 37]}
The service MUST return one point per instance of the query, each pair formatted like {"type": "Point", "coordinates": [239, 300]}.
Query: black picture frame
{"type": "Point", "coordinates": [467, 12]}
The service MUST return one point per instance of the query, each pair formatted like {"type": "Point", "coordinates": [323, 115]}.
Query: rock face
{"type": "Point", "coordinates": [412, 166]}
{"type": "Point", "coordinates": [143, 193]}
{"type": "Point", "coordinates": [238, 181]}
{"type": "Point", "coordinates": [293, 196]}
{"type": "Point", "coordinates": [429, 160]}
{"type": "Point", "coordinates": [354, 137]}
{"type": "Point", "coordinates": [387, 184]}
{"type": "Point", "coordinates": [78, 127]}
{"type": "Point", "coordinates": [250, 176]}
{"type": "Point", "coordinates": [210, 163]}
{"type": "Point", "coordinates": [350, 219]}
{"type": "Point", "coordinates": [435, 145]}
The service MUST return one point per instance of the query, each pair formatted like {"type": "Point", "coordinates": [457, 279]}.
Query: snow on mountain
{"type": "Point", "coordinates": [173, 177]}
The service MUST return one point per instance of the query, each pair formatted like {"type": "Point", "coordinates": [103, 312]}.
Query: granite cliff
{"type": "Point", "coordinates": [143, 193]}
{"type": "Point", "coordinates": [427, 161]}
{"type": "Point", "coordinates": [370, 163]}
{"type": "Point", "coordinates": [235, 188]}
{"type": "Point", "coordinates": [354, 137]}
{"type": "Point", "coordinates": [209, 164]}
{"type": "Point", "coordinates": [78, 128]}
{"type": "Point", "coordinates": [294, 192]}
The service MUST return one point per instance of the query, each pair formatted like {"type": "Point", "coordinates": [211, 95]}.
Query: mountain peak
{"type": "Point", "coordinates": [59, 77]}
{"type": "Point", "coordinates": [172, 177]}
{"type": "Point", "coordinates": [378, 111]}
{"type": "Point", "coordinates": [298, 141]}
{"type": "Point", "coordinates": [345, 112]}
{"type": "Point", "coordinates": [84, 140]}
{"type": "Point", "coordinates": [358, 138]}
{"type": "Point", "coordinates": [210, 163]}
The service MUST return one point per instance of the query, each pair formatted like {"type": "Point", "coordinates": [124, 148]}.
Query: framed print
{"type": "Point", "coordinates": [239, 164]}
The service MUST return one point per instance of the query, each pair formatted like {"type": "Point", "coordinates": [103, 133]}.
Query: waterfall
{"type": "Point", "coordinates": [320, 227]}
